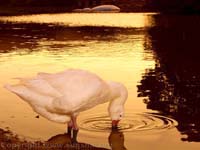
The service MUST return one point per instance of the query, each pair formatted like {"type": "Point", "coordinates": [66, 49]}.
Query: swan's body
{"type": "Point", "coordinates": [61, 96]}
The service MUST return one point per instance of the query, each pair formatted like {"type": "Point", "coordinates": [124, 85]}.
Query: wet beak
{"type": "Point", "coordinates": [115, 123]}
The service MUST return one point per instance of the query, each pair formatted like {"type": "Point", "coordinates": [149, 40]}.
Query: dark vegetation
{"type": "Point", "coordinates": [173, 87]}
{"type": "Point", "coordinates": [175, 6]}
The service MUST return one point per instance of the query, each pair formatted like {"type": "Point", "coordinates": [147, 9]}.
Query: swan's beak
{"type": "Point", "coordinates": [115, 123]}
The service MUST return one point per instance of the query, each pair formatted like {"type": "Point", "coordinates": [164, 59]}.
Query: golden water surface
{"type": "Point", "coordinates": [118, 56]}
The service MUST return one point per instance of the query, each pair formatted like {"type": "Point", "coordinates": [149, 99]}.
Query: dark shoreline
{"type": "Point", "coordinates": [6, 10]}
{"type": "Point", "coordinates": [14, 11]}
{"type": "Point", "coordinates": [10, 141]}
{"type": "Point", "coordinates": [18, 10]}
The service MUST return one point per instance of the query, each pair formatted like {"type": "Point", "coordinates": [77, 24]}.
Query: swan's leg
{"type": "Point", "coordinates": [69, 128]}
{"type": "Point", "coordinates": [74, 138]}
{"type": "Point", "coordinates": [75, 125]}
{"type": "Point", "coordinates": [75, 129]}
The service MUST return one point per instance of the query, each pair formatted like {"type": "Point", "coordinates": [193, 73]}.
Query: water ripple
{"type": "Point", "coordinates": [130, 123]}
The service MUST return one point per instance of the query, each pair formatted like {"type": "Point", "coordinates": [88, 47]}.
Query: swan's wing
{"type": "Point", "coordinates": [30, 96]}
{"type": "Point", "coordinates": [69, 79]}
{"type": "Point", "coordinates": [81, 93]}
{"type": "Point", "coordinates": [40, 86]}
{"type": "Point", "coordinates": [80, 89]}
{"type": "Point", "coordinates": [36, 100]}
{"type": "Point", "coordinates": [52, 116]}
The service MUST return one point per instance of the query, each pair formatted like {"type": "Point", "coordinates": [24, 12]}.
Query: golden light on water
{"type": "Point", "coordinates": [121, 47]}
{"type": "Point", "coordinates": [124, 58]}
{"type": "Point", "coordinates": [137, 20]}
{"type": "Point", "coordinates": [123, 62]}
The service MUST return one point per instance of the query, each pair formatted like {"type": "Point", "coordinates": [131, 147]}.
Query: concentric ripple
{"type": "Point", "coordinates": [130, 123]}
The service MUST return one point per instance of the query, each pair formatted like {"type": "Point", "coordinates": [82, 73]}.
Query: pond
{"type": "Point", "coordinates": [154, 56]}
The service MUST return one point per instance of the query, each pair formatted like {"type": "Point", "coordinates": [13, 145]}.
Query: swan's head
{"type": "Point", "coordinates": [116, 114]}
{"type": "Point", "coordinates": [119, 96]}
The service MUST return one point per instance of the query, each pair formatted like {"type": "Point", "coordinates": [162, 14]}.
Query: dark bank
{"type": "Point", "coordinates": [20, 7]}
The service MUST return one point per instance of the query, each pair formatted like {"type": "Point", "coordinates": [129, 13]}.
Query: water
{"type": "Point", "coordinates": [130, 123]}
{"type": "Point", "coordinates": [155, 56]}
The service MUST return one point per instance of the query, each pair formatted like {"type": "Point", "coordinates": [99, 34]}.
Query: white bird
{"type": "Point", "coordinates": [60, 97]}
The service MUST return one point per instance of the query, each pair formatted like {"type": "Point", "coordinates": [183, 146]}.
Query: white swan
{"type": "Point", "coordinates": [60, 97]}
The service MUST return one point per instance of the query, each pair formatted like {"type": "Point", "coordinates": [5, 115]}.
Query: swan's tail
{"type": "Point", "coordinates": [9, 88]}
{"type": "Point", "coordinates": [19, 90]}
{"type": "Point", "coordinates": [28, 95]}
{"type": "Point", "coordinates": [13, 88]}
{"type": "Point", "coordinates": [37, 102]}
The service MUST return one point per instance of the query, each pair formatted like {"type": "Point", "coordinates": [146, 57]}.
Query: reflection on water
{"type": "Point", "coordinates": [157, 53]}
{"type": "Point", "coordinates": [76, 41]}
{"type": "Point", "coordinates": [136, 20]}
{"type": "Point", "coordinates": [145, 122]}
{"type": "Point", "coordinates": [173, 87]}
{"type": "Point", "coordinates": [119, 54]}
{"type": "Point", "coordinates": [64, 141]}
{"type": "Point", "coordinates": [116, 140]}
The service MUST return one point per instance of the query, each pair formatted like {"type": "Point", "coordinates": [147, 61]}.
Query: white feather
{"type": "Point", "coordinates": [60, 95]}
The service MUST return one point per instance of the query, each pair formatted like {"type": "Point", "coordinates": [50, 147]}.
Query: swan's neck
{"type": "Point", "coordinates": [118, 94]}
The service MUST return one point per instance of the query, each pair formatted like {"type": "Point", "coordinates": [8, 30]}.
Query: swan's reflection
{"type": "Point", "coordinates": [59, 141]}
{"type": "Point", "coordinates": [116, 140]}
{"type": "Point", "coordinates": [64, 141]}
